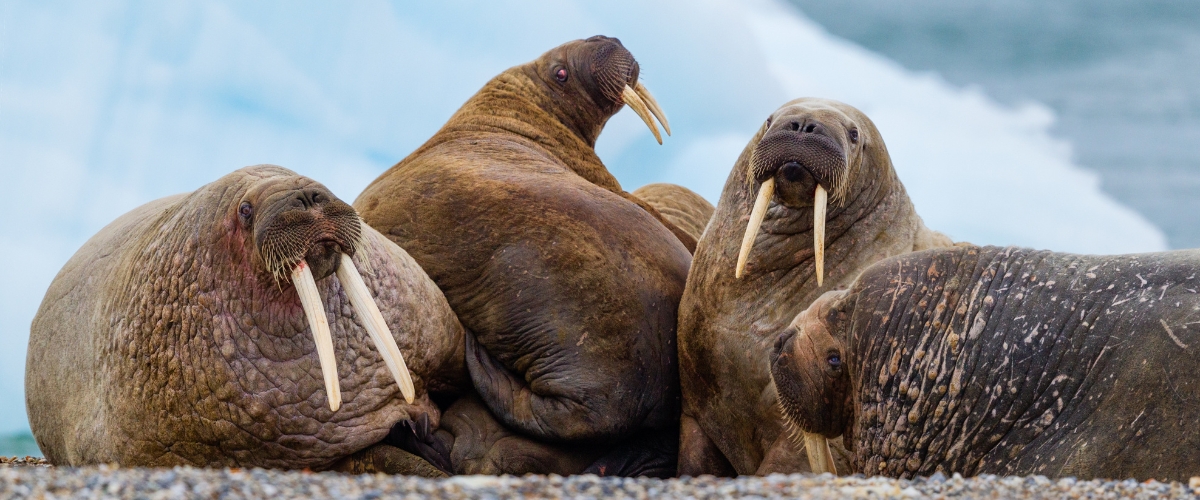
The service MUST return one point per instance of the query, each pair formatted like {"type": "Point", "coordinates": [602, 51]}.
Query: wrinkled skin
{"type": "Point", "coordinates": [567, 285]}
{"type": "Point", "coordinates": [471, 441]}
{"type": "Point", "coordinates": [1009, 361]}
{"type": "Point", "coordinates": [681, 206]}
{"type": "Point", "coordinates": [478, 444]}
{"type": "Point", "coordinates": [731, 423]}
{"type": "Point", "coordinates": [166, 340]}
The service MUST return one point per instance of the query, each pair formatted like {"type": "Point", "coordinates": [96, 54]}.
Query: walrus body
{"type": "Point", "coordinates": [731, 424]}
{"type": "Point", "coordinates": [986, 360]}
{"type": "Point", "coordinates": [568, 286]}
{"type": "Point", "coordinates": [680, 206]}
{"type": "Point", "coordinates": [170, 338]}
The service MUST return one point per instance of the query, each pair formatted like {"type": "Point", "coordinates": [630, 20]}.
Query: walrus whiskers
{"type": "Point", "coordinates": [820, 204]}
{"type": "Point", "coordinates": [652, 103]}
{"type": "Point", "coordinates": [638, 106]}
{"type": "Point", "coordinates": [314, 311]}
{"type": "Point", "coordinates": [372, 320]}
{"type": "Point", "coordinates": [756, 217]}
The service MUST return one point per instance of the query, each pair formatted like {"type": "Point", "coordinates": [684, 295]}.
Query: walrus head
{"type": "Point", "coordinates": [811, 374]}
{"type": "Point", "coordinates": [600, 71]}
{"type": "Point", "coordinates": [298, 231]}
{"type": "Point", "coordinates": [806, 157]}
{"type": "Point", "coordinates": [808, 364]}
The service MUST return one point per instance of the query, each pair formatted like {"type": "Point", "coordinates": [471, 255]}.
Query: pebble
{"type": "Point", "coordinates": [34, 478]}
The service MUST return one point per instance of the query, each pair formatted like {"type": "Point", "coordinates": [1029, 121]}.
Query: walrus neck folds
{"type": "Point", "coordinates": [504, 106]}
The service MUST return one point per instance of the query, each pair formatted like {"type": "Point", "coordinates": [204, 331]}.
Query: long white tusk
{"type": "Point", "coordinates": [820, 459]}
{"type": "Point", "coordinates": [310, 300]}
{"type": "Point", "coordinates": [756, 217]}
{"type": "Point", "coordinates": [820, 204]}
{"type": "Point", "coordinates": [638, 106]}
{"type": "Point", "coordinates": [652, 103]}
{"type": "Point", "coordinates": [372, 320]}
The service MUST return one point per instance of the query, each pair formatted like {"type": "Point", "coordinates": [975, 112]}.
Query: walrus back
{"type": "Point", "coordinates": [1094, 354]}
{"type": "Point", "coordinates": [533, 257]}
{"type": "Point", "coordinates": [679, 205]}
{"type": "Point", "coordinates": [64, 387]}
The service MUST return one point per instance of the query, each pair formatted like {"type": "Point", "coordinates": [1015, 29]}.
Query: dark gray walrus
{"type": "Point", "coordinates": [206, 329]}
{"type": "Point", "coordinates": [818, 180]}
{"type": "Point", "coordinates": [986, 360]}
{"type": "Point", "coordinates": [568, 285]}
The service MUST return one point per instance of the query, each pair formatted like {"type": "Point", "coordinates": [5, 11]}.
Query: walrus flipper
{"type": "Point", "coordinates": [550, 416]}
{"type": "Point", "coordinates": [646, 454]}
{"type": "Point", "coordinates": [388, 460]}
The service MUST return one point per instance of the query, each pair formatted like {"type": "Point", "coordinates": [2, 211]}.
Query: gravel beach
{"type": "Point", "coordinates": [33, 478]}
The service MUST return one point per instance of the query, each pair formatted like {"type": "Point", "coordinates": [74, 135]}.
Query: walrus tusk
{"type": "Point", "coordinates": [652, 103]}
{"type": "Point", "coordinates": [820, 204]}
{"type": "Point", "coordinates": [756, 217]}
{"type": "Point", "coordinates": [820, 459]}
{"type": "Point", "coordinates": [372, 320]}
{"type": "Point", "coordinates": [638, 106]}
{"type": "Point", "coordinates": [310, 300]}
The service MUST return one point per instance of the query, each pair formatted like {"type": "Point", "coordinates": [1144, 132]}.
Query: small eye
{"type": "Point", "coordinates": [245, 210]}
{"type": "Point", "coordinates": [767, 124]}
{"type": "Point", "coordinates": [834, 360]}
{"type": "Point", "coordinates": [560, 74]}
{"type": "Point", "coordinates": [854, 135]}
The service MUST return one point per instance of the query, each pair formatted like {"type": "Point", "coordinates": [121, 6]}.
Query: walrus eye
{"type": "Point", "coordinates": [560, 74]}
{"type": "Point", "coordinates": [854, 135]}
{"type": "Point", "coordinates": [834, 360]}
{"type": "Point", "coordinates": [246, 210]}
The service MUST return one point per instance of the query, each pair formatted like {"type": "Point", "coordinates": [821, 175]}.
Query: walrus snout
{"type": "Point", "coordinates": [305, 234]}
{"type": "Point", "coordinates": [806, 144]}
{"type": "Point", "coordinates": [306, 225]}
{"type": "Point", "coordinates": [611, 67]}
{"type": "Point", "coordinates": [798, 160]}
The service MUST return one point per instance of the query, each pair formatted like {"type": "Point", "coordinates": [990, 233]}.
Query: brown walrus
{"type": "Point", "coordinates": [818, 180]}
{"type": "Point", "coordinates": [204, 329]}
{"type": "Point", "coordinates": [1009, 361]}
{"type": "Point", "coordinates": [679, 205]}
{"type": "Point", "coordinates": [568, 286]}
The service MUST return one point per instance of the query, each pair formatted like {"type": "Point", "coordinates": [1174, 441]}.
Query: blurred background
{"type": "Point", "coordinates": [1070, 125]}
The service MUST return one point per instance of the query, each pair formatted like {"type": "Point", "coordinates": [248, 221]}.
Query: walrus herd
{"type": "Point", "coordinates": [497, 303]}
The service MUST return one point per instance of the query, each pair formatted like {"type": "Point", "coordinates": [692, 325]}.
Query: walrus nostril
{"type": "Point", "coordinates": [308, 198]}
{"type": "Point", "coordinates": [782, 340]}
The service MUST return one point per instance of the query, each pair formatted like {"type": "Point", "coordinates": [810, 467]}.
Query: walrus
{"type": "Point", "coordinates": [812, 200]}
{"type": "Point", "coordinates": [472, 441]}
{"type": "Point", "coordinates": [207, 329]}
{"type": "Point", "coordinates": [681, 206]}
{"type": "Point", "coordinates": [567, 285]}
{"type": "Point", "coordinates": [1009, 361]}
